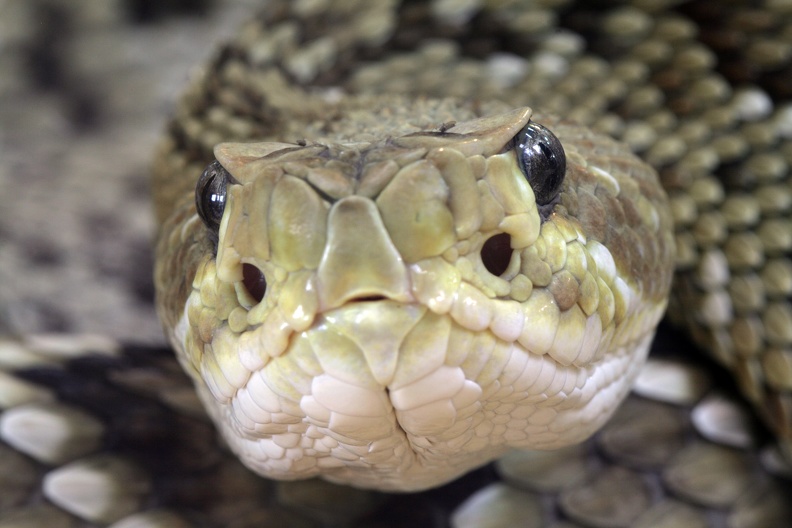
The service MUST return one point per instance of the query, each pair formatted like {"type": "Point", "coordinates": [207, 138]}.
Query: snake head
{"type": "Point", "coordinates": [392, 310]}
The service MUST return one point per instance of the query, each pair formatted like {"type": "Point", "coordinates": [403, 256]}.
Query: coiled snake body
{"type": "Point", "coordinates": [399, 262]}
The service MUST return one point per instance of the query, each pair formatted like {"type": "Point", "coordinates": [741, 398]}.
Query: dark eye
{"type": "Point", "coordinates": [210, 195]}
{"type": "Point", "coordinates": [542, 160]}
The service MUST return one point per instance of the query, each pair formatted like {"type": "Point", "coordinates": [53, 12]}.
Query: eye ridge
{"type": "Point", "coordinates": [542, 160]}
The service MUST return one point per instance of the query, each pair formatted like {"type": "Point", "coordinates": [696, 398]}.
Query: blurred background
{"type": "Point", "coordinates": [85, 89]}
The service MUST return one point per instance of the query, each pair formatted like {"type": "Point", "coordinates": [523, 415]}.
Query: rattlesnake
{"type": "Point", "coordinates": [359, 108]}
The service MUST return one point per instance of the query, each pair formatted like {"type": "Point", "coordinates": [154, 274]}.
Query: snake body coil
{"type": "Point", "coordinates": [399, 239]}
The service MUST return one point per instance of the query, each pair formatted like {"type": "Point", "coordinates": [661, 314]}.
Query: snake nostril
{"type": "Point", "coordinates": [496, 253]}
{"type": "Point", "coordinates": [254, 281]}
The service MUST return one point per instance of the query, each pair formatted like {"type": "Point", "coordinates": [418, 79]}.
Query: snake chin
{"type": "Point", "coordinates": [410, 408]}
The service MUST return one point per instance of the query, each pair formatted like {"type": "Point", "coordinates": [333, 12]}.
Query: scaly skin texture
{"type": "Point", "coordinates": [384, 354]}
{"type": "Point", "coordinates": [311, 74]}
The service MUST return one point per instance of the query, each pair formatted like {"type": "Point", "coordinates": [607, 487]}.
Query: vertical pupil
{"type": "Point", "coordinates": [547, 153]}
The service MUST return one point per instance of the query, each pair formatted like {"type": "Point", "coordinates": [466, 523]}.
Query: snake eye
{"type": "Point", "coordinates": [210, 195]}
{"type": "Point", "coordinates": [541, 158]}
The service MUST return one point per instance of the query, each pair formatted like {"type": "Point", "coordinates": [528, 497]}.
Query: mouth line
{"type": "Point", "coordinates": [367, 299]}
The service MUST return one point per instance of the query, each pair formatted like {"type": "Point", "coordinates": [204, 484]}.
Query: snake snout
{"type": "Point", "coordinates": [360, 262]}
